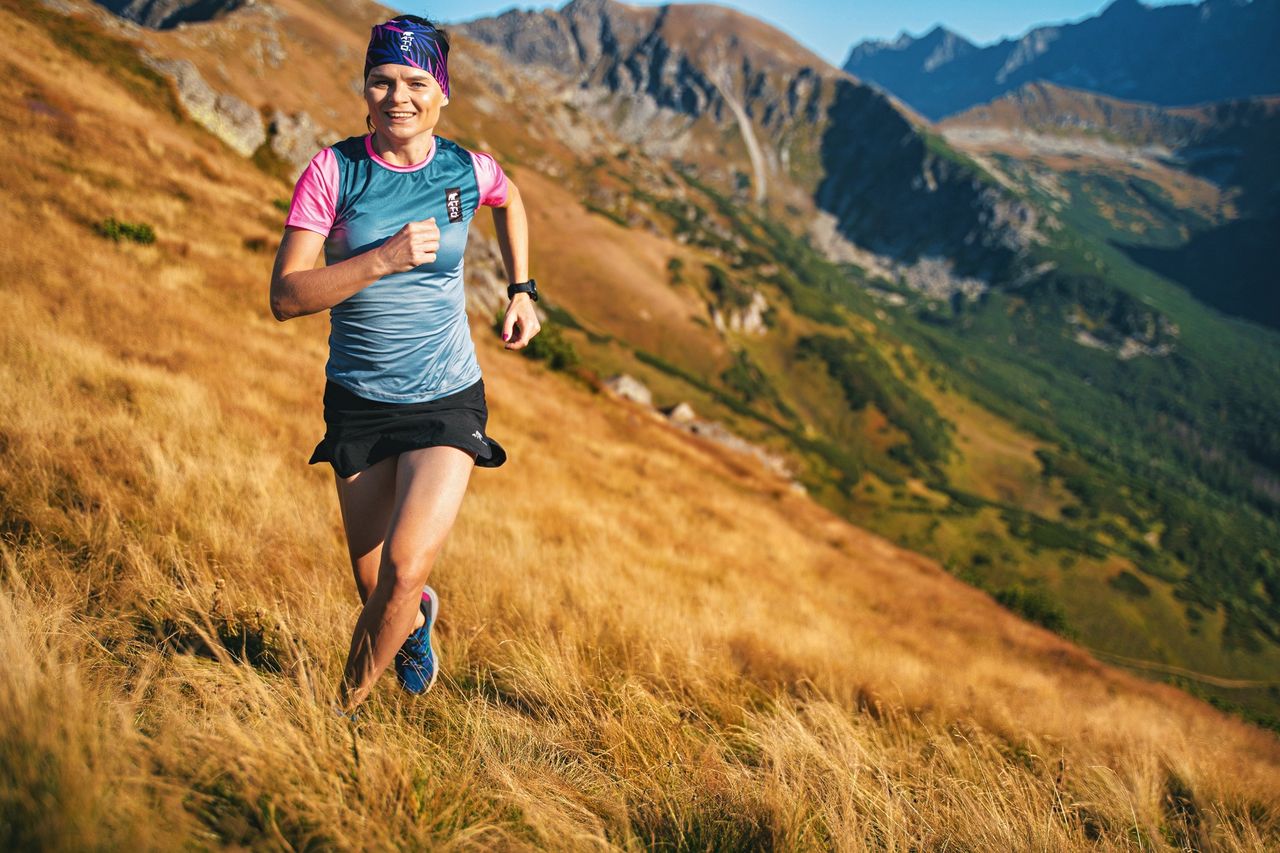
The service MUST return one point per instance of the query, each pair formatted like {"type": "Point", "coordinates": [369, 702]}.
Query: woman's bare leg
{"type": "Point", "coordinates": [429, 486]}
{"type": "Point", "coordinates": [366, 500]}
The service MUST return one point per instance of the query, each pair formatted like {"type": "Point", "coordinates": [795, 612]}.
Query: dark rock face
{"type": "Point", "coordinates": [892, 194]}
{"type": "Point", "coordinates": [1169, 55]}
{"type": "Point", "coordinates": [166, 14]}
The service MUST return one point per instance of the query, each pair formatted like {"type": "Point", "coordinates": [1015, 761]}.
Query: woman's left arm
{"type": "Point", "coordinates": [512, 227]}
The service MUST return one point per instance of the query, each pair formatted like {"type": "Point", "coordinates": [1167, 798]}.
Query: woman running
{"type": "Point", "coordinates": [404, 404]}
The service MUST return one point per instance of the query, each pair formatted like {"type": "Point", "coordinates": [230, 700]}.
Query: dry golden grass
{"type": "Point", "coordinates": [646, 642]}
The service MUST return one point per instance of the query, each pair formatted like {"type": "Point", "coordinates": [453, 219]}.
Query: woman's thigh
{"type": "Point", "coordinates": [430, 485]}
{"type": "Point", "coordinates": [367, 500]}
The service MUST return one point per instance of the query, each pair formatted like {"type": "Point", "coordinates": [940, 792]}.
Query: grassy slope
{"type": "Point", "coordinates": [732, 666]}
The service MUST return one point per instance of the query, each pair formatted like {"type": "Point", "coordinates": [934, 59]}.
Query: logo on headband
{"type": "Point", "coordinates": [406, 41]}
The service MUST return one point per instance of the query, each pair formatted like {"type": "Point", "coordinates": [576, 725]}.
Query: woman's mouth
{"type": "Point", "coordinates": [400, 116]}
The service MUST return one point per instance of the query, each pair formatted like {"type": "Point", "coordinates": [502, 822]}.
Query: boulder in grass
{"type": "Point", "coordinates": [295, 138]}
{"type": "Point", "coordinates": [225, 116]}
{"type": "Point", "coordinates": [681, 413]}
{"type": "Point", "coordinates": [629, 388]}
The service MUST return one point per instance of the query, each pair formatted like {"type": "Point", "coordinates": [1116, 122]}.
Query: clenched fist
{"type": "Point", "coordinates": [412, 246]}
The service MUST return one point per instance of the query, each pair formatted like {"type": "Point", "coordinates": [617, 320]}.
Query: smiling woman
{"type": "Point", "coordinates": [404, 402]}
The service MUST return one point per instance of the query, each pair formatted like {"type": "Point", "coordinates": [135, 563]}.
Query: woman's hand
{"type": "Point", "coordinates": [412, 246]}
{"type": "Point", "coordinates": [521, 322]}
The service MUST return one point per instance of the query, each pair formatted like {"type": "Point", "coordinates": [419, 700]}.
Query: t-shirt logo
{"type": "Point", "coordinates": [453, 203]}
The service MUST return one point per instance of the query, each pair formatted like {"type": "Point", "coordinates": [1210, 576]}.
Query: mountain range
{"type": "Point", "coordinates": [1169, 55]}
{"type": "Point", "coordinates": [721, 91]}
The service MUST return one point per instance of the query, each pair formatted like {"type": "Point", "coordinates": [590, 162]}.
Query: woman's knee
{"type": "Point", "coordinates": [405, 568]}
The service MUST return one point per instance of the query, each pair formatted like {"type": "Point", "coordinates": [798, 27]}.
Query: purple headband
{"type": "Point", "coordinates": [404, 42]}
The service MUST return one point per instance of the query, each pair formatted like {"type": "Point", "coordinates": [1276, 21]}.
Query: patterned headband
{"type": "Point", "coordinates": [402, 42]}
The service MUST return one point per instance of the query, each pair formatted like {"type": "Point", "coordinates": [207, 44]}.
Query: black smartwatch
{"type": "Point", "coordinates": [530, 287]}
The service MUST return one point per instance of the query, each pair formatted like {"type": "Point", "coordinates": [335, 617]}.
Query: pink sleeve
{"type": "Point", "coordinates": [315, 196]}
{"type": "Point", "coordinates": [490, 178]}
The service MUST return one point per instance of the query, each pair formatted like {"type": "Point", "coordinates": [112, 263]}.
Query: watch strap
{"type": "Point", "coordinates": [530, 287]}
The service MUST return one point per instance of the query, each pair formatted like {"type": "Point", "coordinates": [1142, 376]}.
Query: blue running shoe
{"type": "Point", "coordinates": [417, 662]}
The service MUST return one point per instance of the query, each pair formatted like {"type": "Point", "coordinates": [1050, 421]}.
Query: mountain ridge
{"type": "Point", "coordinates": [1227, 261]}
{"type": "Point", "coordinates": [795, 120]}
{"type": "Point", "coordinates": [1169, 55]}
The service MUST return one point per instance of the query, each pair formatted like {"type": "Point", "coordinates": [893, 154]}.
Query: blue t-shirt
{"type": "Point", "coordinates": [404, 338]}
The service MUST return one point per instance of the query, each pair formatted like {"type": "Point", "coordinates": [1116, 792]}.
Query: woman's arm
{"type": "Point", "coordinates": [297, 288]}
{"type": "Point", "coordinates": [512, 227]}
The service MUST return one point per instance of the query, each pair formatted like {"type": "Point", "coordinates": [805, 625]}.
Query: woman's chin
{"type": "Point", "coordinates": [402, 132]}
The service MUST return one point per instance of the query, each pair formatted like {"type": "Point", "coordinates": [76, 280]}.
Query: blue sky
{"type": "Point", "coordinates": [831, 27]}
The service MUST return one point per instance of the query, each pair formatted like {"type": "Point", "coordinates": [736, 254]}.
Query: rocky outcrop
{"type": "Point", "coordinates": [747, 320]}
{"type": "Point", "coordinates": [296, 138]}
{"type": "Point", "coordinates": [485, 277]}
{"type": "Point", "coordinates": [165, 14]}
{"type": "Point", "coordinates": [225, 116]}
{"type": "Point", "coordinates": [683, 417]}
{"type": "Point", "coordinates": [934, 278]}
{"type": "Point", "coordinates": [628, 387]}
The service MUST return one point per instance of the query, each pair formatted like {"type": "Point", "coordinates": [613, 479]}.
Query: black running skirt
{"type": "Point", "coordinates": [361, 432]}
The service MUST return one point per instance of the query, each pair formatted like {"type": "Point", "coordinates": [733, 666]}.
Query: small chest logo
{"type": "Point", "coordinates": [453, 203]}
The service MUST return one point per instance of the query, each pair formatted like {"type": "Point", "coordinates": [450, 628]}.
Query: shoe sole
{"type": "Point", "coordinates": [431, 636]}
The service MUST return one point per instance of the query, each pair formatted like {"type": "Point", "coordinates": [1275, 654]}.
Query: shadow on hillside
{"type": "Point", "coordinates": [1232, 268]}
{"type": "Point", "coordinates": [240, 640]}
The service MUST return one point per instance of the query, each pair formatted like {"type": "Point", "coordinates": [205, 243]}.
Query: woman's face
{"type": "Point", "coordinates": [403, 101]}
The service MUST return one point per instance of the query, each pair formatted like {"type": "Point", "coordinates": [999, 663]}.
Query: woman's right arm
{"type": "Point", "coordinates": [298, 289]}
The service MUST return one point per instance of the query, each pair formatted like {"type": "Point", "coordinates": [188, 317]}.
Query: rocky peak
{"type": "Point", "coordinates": [944, 47]}
{"type": "Point", "coordinates": [936, 47]}
{"type": "Point", "coordinates": [1123, 7]}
